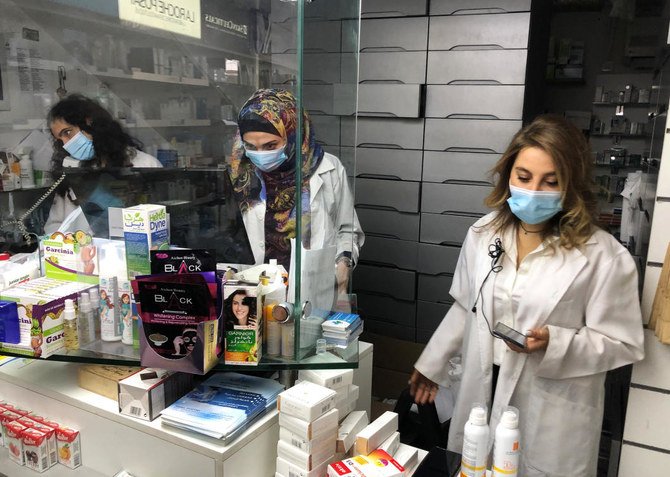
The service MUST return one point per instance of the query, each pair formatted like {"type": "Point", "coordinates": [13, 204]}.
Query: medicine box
{"type": "Point", "coordinates": [310, 430]}
{"type": "Point", "coordinates": [329, 378]}
{"type": "Point", "coordinates": [40, 304]}
{"type": "Point", "coordinates": [378, 463]}
{"type": "Point", "coordinates": [306, 401]}
{"type": "Point", "coordinates": [306, 460]}
{"type": "Point", "coordinates": [351, 425]}
{"type": "Point", "coordinates": [288, 469]}
{"type": "Point", "coordinates": [145, 228]}
{"type": "Point", "coordinates": [376, 432]}
{"type": "Point", "coordinates": [146, 393]}
{"type": "Point", "coordinates": [313, 446]}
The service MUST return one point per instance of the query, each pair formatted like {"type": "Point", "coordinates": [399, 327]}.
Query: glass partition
{"type": "Point", "coordinates": [174, 76]}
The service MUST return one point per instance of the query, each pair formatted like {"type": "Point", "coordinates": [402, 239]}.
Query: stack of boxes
{"type": "Point", "coordinates": [307, 430]}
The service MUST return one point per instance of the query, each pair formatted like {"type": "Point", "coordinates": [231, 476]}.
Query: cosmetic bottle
{"type": "Point", "coordinates": [70, 330]}
{"type": "Point", "coordinates": [506, 444]}
{"type": "Point", "coordinates": [475, 443]}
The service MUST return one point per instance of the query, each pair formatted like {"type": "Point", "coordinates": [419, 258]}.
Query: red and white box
{"type": "Point", "coordinates": [378, 464]}
{"type": "Point", "coordinates": [69, 447]}
{"type": "Point", "coordinates": [14, 440]}
{"type": "Point", "coordinates": [51, 440]}
{"type": "Point", "coordinates": [35, 449]}
{"type": "Point", "coordinates": [5, 418]}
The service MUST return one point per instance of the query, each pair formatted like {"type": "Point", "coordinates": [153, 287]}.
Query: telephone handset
{"type": "Point", "coordinates": [20, 222]}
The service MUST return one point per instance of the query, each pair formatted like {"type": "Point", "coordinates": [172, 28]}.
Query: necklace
{"type": "Point", "coordinates": [526, 231]}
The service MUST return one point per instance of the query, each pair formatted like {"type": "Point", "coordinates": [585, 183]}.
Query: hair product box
{"type": "Point", "coordinates": [243, 324]}
{"type": "Point", "coordinates": [146, 393]}
{"type": "Point", "coordinates": [145, 228]}
{"type": "Point", "coordinates": [307, 401]}
{"type": "Point", "coordinates": [179, 321]}
{"type": "Point", "coordinates": [40, 304]}
{"type": "Point", "coordinates": [70, 256]}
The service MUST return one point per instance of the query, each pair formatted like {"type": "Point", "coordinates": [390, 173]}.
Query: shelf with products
{"type": "Point", "coordinates": [613, 134]}
{"type": "Point", "coordinates": [616, 103]}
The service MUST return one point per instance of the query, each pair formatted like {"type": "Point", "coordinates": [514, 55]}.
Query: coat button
{"type": "Point", "coordinates": [261, 244]}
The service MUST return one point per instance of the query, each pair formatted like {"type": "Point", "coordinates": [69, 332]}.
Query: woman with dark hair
{"type": "Point", "coordinates": [86, 135]}
{"type": "Point", "coordinates": [240, 309]}
{"type": "Point", "coordinates": [540, 265]}
{"type": "Point", "coordinates": [263, 173]}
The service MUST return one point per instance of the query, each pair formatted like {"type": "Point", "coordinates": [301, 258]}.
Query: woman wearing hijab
{"type": "Point", "coordinates": [263, 172]}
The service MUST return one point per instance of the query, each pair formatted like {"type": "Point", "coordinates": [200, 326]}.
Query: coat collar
{"type": "Point", "coordinates": [316, 182]}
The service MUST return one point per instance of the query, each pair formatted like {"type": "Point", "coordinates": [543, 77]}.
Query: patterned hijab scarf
{"type": "Point", "coordinates": [274, 111]}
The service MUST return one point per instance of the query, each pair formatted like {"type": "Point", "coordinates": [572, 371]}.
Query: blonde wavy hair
{"type": "Point", "coordinates": [571, 154]}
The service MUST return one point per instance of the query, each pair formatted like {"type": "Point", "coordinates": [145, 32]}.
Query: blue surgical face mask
{"type": "Point", "coordinates": [267, 161]}
{"type": "Point", "coordinates": [80, 147]}
{"type": "Point", "coordinates": [534, 207]}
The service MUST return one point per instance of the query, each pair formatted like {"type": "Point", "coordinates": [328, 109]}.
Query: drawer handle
{"type": "Point", "coordinates": [472, 116]}
{"type": "Point", "coordinates": [477, 82]}
{"type": "Point", "coordinates": [466, 182]}
{"type": "Point", "coordinates": [491, 46]}
{"type": "Point", "coordinates": [479, 11]}
{"type": "Point", "coordinates": [379, 114]}
{"type": "Point", "coordinates": [379, 176]}
{"type": "Point", "coordinates": [454, 212]}
{"type": "Point", "coordinates": [380, 144]}
{"type": "Point", "coordinates": [383, 48]}
{"type": "Point", "coordinates": [471, 149]}
{"type": "Point", "coordinates": [381, 81]}
{"type": "Point", "coordinates": [377, 207]}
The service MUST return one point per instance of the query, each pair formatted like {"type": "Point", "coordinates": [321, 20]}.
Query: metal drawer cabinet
{"type": "Point", "coordinates": [324, 37]}
{"type": "Point", "coordinates": [394, 34]}
{"type": "Point", "coordinates": [406, 67]}
{"type": "Point", "coordinates": [390, 100]}
{"type": "Point", "coordinates": [389, 133]}
{"type": "Point", "coordinates": [389, 223]}
{"type": "Point", "coordinates": [477, 66]}
{"type": "Point", "coordinates": [393, 195]}
{"type": "Point", "coordinates": [399, 284]}
{"type": "Point", "coordinates": [457, 167]}
{"type": "Point", "coordinates": [429, 315]}
{"type": "Point", "coordinates": [475, 101]}
{"type": "Point", "coordinates": [390, 252]}
{"type": "Point", "coordinates": [386, 308]}
{"type": "Point", "coordinates": [437, 259]}
{"type": "Point", "coordinates": [377, 163]}
{"type": "Point", "coordinates": [470, 32]}
{"type": "Point", "coordinates": [465, 7]}
{"type": "Point", "coordinates": [445, 229]}
{"type": "Point", "coordinates": [454, 198]}
{"type": "Point", "coordinates": [393, 8]}
{"type": "Point", "coordinates": [326, 128]}
{"type": "Point", "coordinates": [469, 135]}
{"type": "Point", "coordinates": [435, 288]}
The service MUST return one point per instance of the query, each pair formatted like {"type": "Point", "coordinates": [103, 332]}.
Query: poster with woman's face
{"type": "Point", "coordinates": [240, 307]}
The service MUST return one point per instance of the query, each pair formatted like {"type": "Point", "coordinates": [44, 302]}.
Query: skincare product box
{"type": "Point", "coordinates": [145, 228]}
{"type": "Point", "coordinates": [146, 393]}
{"type": "Point", "coordinates": [182, 261]}
{"type": "Point", "coordinates": [313, 446]}
{"type": "Point", "coordinates": [70, 256]}
{"type": "Point", "coordinates": [10, 330]}
{"type": "Point", "coordinates": [329, 378]}
{"type": "Point", "coordinates": [305, 460]}
{"type": "Point", "coordinates": [241, 311]}
{"type": "Point", "coordinates": [40, 304]}
{"type": "Point", "coordinates": [376, 432]}
{"type": "Point", "coordinates": [103, 379]}
{"type": "Point", "coordinates": [375, 464]}
{"type": "Point", "coordinates": [288, 469]}
{"type": "Point", "coordinates": [69, 447]}
{"type": "Point", "coordinates": [351, 425]}
{"type": "Point", "coordinates": [179, 321]}
{"type": "Point", "coordinates": [306, 401]}
{"type": "Point", "coordinates": [325, 424]}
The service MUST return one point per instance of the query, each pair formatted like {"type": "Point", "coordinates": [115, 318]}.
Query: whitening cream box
{"type": "Point", "coordinates": [306, 401]}
{"type": "Point", "coordinates": [145, 228]}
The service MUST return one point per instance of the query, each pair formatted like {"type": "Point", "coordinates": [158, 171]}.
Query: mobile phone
{"type": "Point", "coordinates": [510, 335]}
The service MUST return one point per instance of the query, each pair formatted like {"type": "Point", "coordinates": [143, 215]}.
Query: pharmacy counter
{"type": "Point", "coordinates": [111, 442]}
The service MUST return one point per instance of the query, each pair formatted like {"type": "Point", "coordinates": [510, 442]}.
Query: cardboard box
{"type": "Point", "coordinates": [36, 450]}
{"type": "Point", "coordinates": [14, 441]}
{"type": "Point", "coordinates": [306, 401]}
{"type": "Point", "coordinates": [103, 379]}
{"type": "Point", "coordinates": [145, 228]}
{"type": "Point", "coordinates": [243, 341]}
{"type": "Point", "coordinates": [288, 469]}
{"type": "Point", "coordinates": [310, 430]}
{"type": "Point", "coordinates": [329, 378]}
{"type": "Point", "coordinates": [390, 446]}
{"type": "Point", "coordinates": [311, 446]}
{"type": "Point", "coordinates": [40, 305]}
{"type": "Point", "coordinates": [146, 393]}
{"type": "Point", "coordinates": [378, 464]}
{"type": "Point", "coordinates": [69, 447]}
{"type": "Point", "coordinates": [70, 257]}
{"type": "Point", "coordinates": [303, 459]}
{"type": "Point", "coordinates": [352, 425]}
{"type": "Point", "coordinates": [376, 432]}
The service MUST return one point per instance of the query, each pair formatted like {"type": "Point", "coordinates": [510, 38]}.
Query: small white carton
{"type": "Point", "coordinates": [303, 459]}
{"type": "Point", "coordinates": [146, 393]}
{"type": "Point", "coordinates": [145, 228]}
{"type": "Point", "coordinates": [310, 430]}
{"type": "Point", "coordinates": [286, 468]}
{"type": "Point", "coordinates": [307, 401]}
{"type": "Point", "coordinates": [376, 432]}
{"type": "Point", "coordinates": [407, 456]}
{"type": "Point", "coordinates": [36, 450]}
{"type": "Point", "coordinates": [311, 446]}
{"type": "Point", "coordinates": [391, 444]}
{"type": "Point", "coordinates": [352, 425]}
{"type": "Point", "coordinates": [328, 378]}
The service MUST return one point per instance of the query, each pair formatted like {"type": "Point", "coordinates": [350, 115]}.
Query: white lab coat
{"type": "Point", "coordinates": [588, 298]}
{"type": "Point", "coordinates": [333, 218]}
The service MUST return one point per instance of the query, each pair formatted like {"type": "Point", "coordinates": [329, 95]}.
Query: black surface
{"type": "Point", "coordinates": [439, 463]}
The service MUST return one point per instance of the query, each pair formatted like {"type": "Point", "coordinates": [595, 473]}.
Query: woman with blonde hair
{"type": "Point", "coordinates": [540, 265]}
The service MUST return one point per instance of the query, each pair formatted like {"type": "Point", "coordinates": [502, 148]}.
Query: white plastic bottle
{"type": "Point", "coordinates": [272, 292]}
{"type": "Point", "coordinates": [94, 298]}
{"type": "Point", "coordinates": [70, 326]}
{"type": "Point", "coordinates": [475, 444]}
{"type": "Point", "coordinates": [27, 172]}
{"type": "Point", "coordinates": [506, 444]}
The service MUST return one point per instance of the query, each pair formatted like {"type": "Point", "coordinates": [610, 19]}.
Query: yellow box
{"type": "Point", "coordinates": [102, 379]}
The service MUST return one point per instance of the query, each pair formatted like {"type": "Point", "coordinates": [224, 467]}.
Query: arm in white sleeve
{"type": "Point", "coordinates": [612, 335]}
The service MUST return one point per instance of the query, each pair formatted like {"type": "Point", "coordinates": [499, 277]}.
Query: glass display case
{"type": "Point", "coordinates": [174, 75]}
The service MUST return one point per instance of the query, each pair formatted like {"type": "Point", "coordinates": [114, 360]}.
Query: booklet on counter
{"type": "Point", "coordinates": [223, 405]}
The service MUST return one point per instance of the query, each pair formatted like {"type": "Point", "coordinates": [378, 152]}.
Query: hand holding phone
{"type": "Point", "coordinates": [510, 335]}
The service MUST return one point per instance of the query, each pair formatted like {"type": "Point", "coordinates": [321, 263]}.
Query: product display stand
{"type": "Point", "coordinates": [111, 442]}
